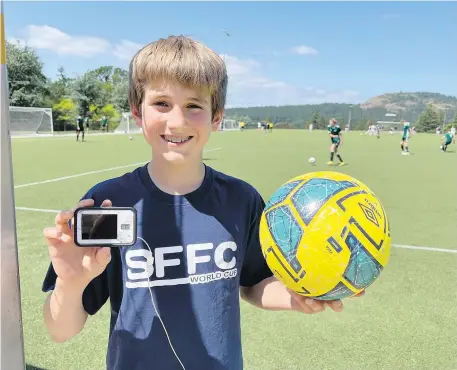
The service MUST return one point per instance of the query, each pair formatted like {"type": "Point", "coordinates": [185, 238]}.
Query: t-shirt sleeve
{"type": "Point", "coordinates": [96, 293]}
{"type": "Point", "coordinates": [255, 268]}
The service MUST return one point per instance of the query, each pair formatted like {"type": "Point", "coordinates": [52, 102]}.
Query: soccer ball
{"type": "Point", "coordinates": [325, 235]}
{"type": "Point", "coordinates": [312, 160]}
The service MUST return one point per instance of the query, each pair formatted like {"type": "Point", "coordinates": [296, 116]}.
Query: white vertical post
{"type": "Point", "coordinates": [11, 340]}
{"type": "Point", "coordinates": [52, 122]}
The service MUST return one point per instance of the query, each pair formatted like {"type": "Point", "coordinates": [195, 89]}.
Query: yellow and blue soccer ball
{"type": "Point", "coordinates": [325, 235]}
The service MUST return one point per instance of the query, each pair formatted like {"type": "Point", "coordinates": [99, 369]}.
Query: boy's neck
{"type": "Point", "coordinates": [176, 179]}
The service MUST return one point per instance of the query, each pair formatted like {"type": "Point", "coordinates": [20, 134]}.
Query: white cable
{"type": "Point", "coordinates": [157, 312]}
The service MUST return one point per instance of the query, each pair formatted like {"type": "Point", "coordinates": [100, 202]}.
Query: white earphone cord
{"type": "Point", "coordinates": [157, 313]}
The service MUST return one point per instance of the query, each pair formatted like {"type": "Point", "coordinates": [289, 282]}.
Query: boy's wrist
{"type": "Point", "coordinates": [71, 286]}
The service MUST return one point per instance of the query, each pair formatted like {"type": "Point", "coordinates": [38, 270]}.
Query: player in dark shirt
{"type": "Point", "coordinates": [79, 128]}
{"type": "Point", "coordinates": [336, 139]}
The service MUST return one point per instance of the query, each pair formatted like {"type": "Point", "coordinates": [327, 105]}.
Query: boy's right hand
{"type": "Point", "coordinates": [74, 265]}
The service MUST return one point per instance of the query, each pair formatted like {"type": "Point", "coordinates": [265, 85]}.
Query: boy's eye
{"type": "Point", "coordinates": [161, 103]}
{"type": "Point", "coordinates": [194, 106]}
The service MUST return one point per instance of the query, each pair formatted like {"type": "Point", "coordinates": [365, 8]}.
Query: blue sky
{"type": "Point", "coordinates": [278, 52]}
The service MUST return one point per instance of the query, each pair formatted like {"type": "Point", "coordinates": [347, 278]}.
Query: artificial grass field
{"type": "Point", "coordinates": [408, 318]}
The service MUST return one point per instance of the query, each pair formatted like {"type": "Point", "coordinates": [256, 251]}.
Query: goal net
{"type": "Point", "coordinates": [127, 125]}
{"type": "Point", "coordinates": [394, 127]}
{"type": "Point", "coordinates": [230, 125]}
{"type": "Point", "coordinates": [28, 121]}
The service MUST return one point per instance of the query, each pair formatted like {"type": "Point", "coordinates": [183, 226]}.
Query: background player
{"type": "Point", "coordinates": [405, 138]}
{"type": "Point", "coordinates": [446, 140]}
{"type": "Point", "coordinates": [336, 138]}
{"type": "Point", "coordinates": [79, 127]}
{"type": "Point", "coordinates": [104, 124]}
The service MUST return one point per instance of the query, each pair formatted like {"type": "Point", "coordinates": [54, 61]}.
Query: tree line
{"type": "Point", "coordinates": [425, 119]}
{"type": "Point", "coordinates": [99, 92]}
{"type": "Point", "coordinates": [104, 92]}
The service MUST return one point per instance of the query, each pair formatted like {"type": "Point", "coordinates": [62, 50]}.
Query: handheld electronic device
{"type": "Point", "coordinates": [105, 226]}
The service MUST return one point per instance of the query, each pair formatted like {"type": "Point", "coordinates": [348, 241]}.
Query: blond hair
{"type": "Point", "coordinates": [182, 60]}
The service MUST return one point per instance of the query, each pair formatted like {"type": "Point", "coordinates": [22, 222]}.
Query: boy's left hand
{"type": "Point", "coordinates": [310, 306]}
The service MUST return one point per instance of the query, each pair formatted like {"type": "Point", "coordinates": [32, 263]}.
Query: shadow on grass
{"type": "Point", "coordinates": [31, 367]}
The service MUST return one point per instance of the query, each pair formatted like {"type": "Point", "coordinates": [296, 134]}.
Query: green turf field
{"type": "Point", "coordinates": [407, 320]}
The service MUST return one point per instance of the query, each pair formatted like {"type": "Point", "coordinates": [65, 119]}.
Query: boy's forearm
{"type": "Point", "coordinates": [64, 314]}
{"type": "Point", "coordinates": [269, 294]}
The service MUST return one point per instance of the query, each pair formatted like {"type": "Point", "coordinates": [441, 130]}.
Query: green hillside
{"type": "Point", "coordinates": [407, 106]}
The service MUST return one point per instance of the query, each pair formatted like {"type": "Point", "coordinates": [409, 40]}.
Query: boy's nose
{"type": "Point", "coordinates": [177, 118]}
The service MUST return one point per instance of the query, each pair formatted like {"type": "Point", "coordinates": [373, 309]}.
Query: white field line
{"type": "Point", "coordinates": [414, 247]}
{"type": "Point", "coordinates": [37, 210]}
{"type": "Point", "coordinates": [432, 249]}
{"type": "Point", "coordinates": [90, 173]}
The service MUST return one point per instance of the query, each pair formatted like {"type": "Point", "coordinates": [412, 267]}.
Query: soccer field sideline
{"type": "Point", "coordinates": [91, 172]}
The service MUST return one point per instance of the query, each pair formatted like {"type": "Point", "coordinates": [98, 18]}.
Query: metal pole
{"type": "Point", "coordinates": [12, 342]}
{"type": "Point", "coordinates": [349, 119]}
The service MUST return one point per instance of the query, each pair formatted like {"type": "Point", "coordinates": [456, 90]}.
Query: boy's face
{"type": "Point", "coordinates": [176, 121]}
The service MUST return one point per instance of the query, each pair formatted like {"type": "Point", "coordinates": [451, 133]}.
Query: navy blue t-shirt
{"type": "Point", "coordinates": [205, 245]}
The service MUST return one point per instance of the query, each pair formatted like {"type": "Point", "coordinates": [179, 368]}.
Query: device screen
{"type": "Point", "coordinates": [101, 226]}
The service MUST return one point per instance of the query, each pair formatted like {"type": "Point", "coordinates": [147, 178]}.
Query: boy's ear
{"type": "Point", "coordinates": [217, 120]}
{"type": "Point", "coordinates": [136, 116]}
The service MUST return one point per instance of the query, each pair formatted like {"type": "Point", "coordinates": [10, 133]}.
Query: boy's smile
{"type": "Point", "coordinates": [174, 140]}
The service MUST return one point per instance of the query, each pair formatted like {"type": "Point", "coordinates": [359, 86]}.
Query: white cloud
{"type": "Point", "coordinates": [237, 67]}
{"type": "Point", "coordinates": [304, 50]}
{"type": "Point", "coordinates": [51, 38]}
{"type": "Point", "coordinates": [126, 49]}
{"type": "Point", "coordinates": [249, 87]}
{"type": "Point", "coordinates": [17, 41]}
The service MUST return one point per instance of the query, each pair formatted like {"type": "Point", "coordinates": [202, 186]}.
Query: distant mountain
{"type": "Point", "coordinates": [412, 102]}
{"type": "Point", "coordinates": [406, 105]}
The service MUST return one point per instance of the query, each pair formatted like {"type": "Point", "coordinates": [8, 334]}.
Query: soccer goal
{"type": "Point", "coordinates": [30, 121]}
{"type": "Point", "coordinates": [393, 127]}
{"type": "Point", "coordinates": [127, 125]}
{"type": "Point", "coordinates": [230, 125]}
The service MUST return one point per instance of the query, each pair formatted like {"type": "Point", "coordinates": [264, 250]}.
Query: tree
{"type": "Point", "coordinates": [120, 96]}
{"type": "Point", "coordinates": [27, 83]}
{"type": "Point", "coordinates": [429, 120]}
{"type": "Point", "coordinates": [87, 91]}
{"type": "Point", "coordinates": [59, 89]}
{"type": "Point", "coordinates": [316, 120]}
{"type": "Point", "coordinates": [64, 114]}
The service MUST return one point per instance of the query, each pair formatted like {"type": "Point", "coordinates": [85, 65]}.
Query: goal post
{"type": "Point", "coordinates": [127, 125]}
{"type": "Point", "coordinates": [31, 121]}
{"type": "Point", "coordinates": [230, 125]}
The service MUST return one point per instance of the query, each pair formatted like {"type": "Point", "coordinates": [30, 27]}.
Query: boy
{"type": "Point", "coordinates": [405, 138]}
{"type": "Point", "coordinates": [446, 140]}
{"type": "Point", "coordinates": [334, 132]}
{"type": "Point", "coordinates": [193, 221]}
